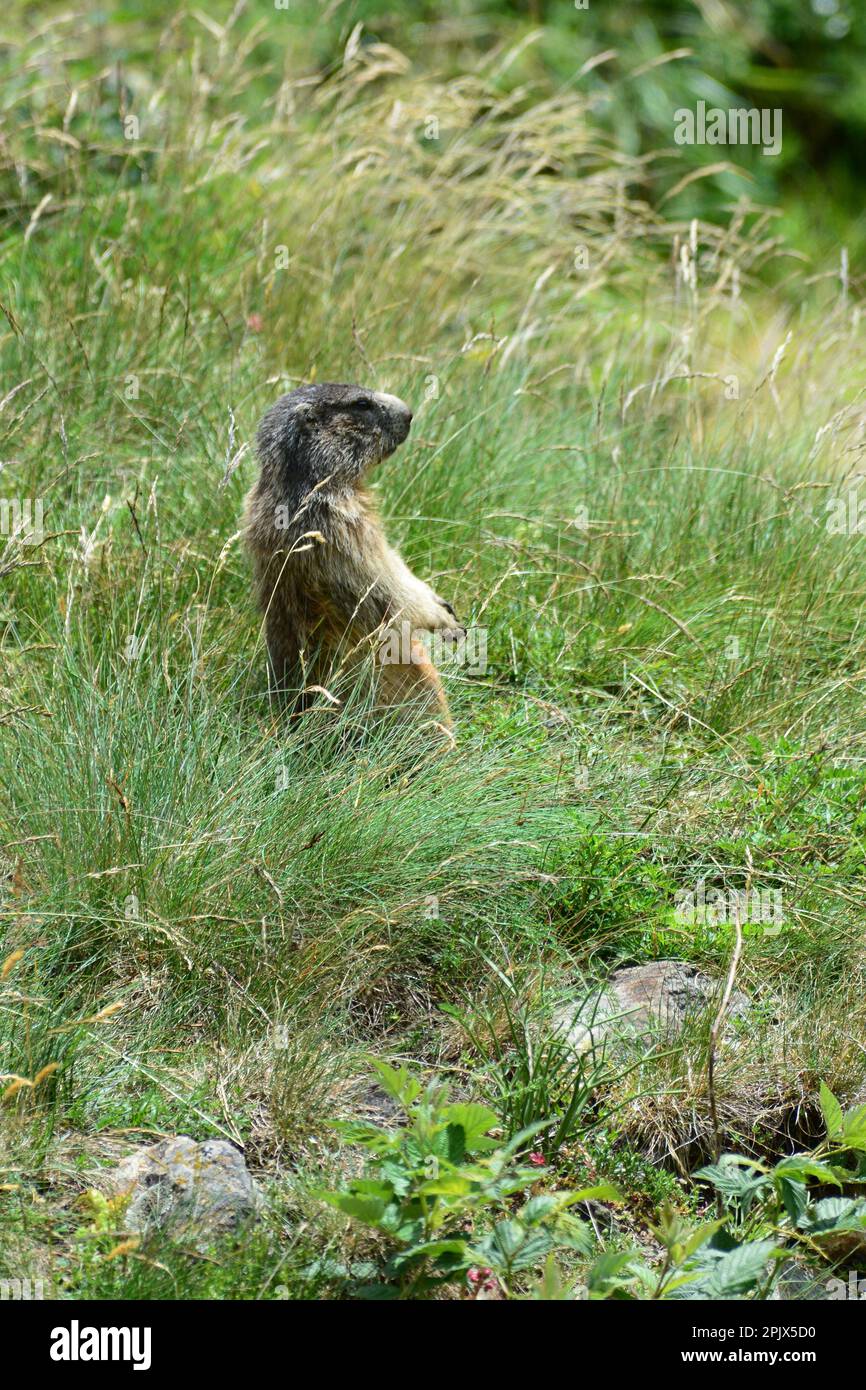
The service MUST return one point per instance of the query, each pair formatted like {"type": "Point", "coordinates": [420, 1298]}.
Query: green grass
{"type": "Point", "coordinates": [676, 643]}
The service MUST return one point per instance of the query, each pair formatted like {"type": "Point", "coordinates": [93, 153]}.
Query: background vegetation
{"type": "Point", "coordinates": [637, 410]}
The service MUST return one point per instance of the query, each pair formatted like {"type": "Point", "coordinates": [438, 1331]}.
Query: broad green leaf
{"type": "Point", "coordinates": [538, 1208]}
{"type": "Point", "coordinates": [409, 1231]}
{"type": "Point", "coordinates": [738, 1179]}
{"type": "Point", "coordinates": [831, 1110]}
{"type": "Point", "coordinates": [679, 1282]}
{"type": "Point", "coordinates": [609, 1271]}
{"type": "Point", "coordinates": [835, 1214]}
{"type": "Point", "coordinates": [854, 1128]}
{"type": "Point", "coordinates": [371, 1187]}
{"type": "Point", "coordinates": [801, 1168]}
{"type": "Point", "coordinates": [732, 1173]}
{"type": "Point", "coordinates": [400, 1085]}
{"type": "Point", "coordinates": [506, 1238]}
{"type": "Point", "coordinates": [695, 1240]}
{"type": "Point", "coordinates": [394, 1172]}
{"type": "Point", "coordinates": [448, 1185]}
{"type": "Point", "coordinates": [521, 1139]}
{"type": "Point", "coordinates": [368, 1210]}
{"type": "Point", "coordinates": [573, 1233]}
{"type": "Point", "coordinates": [474, 1120]}
{"type": "Point", "coordinates": [795, 1197]}
{"type": "Point", "coordinates": [739, 1270]}
{"type": "Point", "coordinates": [602, 1192]}
{"type": "Point", "coordinates": [535, 1247]}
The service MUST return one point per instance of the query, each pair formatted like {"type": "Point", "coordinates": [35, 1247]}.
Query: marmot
{"type": "Point", "coordinates": [325, 577]}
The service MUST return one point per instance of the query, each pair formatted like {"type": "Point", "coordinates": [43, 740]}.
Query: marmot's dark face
{"type": "Point", "coordinates": [331, 431]}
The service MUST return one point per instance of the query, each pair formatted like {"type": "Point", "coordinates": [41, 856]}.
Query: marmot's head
{"type": "Point", "coordinates": [330, 431]}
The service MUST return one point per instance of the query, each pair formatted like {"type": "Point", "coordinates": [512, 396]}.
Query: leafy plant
{"type": "Point", "coordinates": [438, 1188]}
{"type": "Point", "coordinates": [768, 1212]}
{"type": "Point", "coordinates": [780, 1196]}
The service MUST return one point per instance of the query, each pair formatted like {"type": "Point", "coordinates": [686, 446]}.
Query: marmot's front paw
{"type": "Point", "coordinates": [448, 625]}
{"type": "Point", "coordinates": [450, 630]}
{"type": "Point", "coordinates": [443, 603]}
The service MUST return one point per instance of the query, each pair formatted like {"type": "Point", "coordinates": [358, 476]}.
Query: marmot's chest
{"type": "Point", "coordinates": [353, 508]}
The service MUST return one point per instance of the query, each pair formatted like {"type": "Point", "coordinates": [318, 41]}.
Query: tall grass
{"type": "Point", "coordinates": [620, 465]}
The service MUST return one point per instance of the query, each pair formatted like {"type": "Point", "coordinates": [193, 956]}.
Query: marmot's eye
{"type": "Point", "coordinates": [364, 405]}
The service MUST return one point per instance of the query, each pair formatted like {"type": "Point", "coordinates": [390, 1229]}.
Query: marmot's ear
{"type": "Point", "coordinates": [304, 412]}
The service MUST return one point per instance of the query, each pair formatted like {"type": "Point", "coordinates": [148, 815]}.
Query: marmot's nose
{"type": "Point", "coordinates": [395, 406]}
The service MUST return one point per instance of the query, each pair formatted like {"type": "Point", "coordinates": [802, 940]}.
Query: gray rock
{"type": "Point", "coordinates": [202, 1190]}
{"type": "Point", "coordinates": [644, 1002]}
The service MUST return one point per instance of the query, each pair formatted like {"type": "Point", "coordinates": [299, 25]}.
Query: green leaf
{"type": "Point", "coordinates": [795, 1197]}
{"type": "Point", "coordinates": [854, 1128]}
{"type": "Point", "coordinates": [448, 1185]}
{"type": "Point", "coordinates": [732, 1173]}
{"type": "Point", "coordinates": [739, 1270]}
{"type": "Point", "coordinates": [696, 1238]}
{"type": "Point", "coordinates": [538, 1208]}
{"type": "Point", "coordinates": [739, 1179]}
{"type": "Point", "coordinates": [371, 1187]}
{"type": "Point", "coordinates": [602, 1192]}
{"type": "Point", "coordinates": [361, 1132]}
{"type": "Point", "coordinates": [404, 1228]}
{"type": "Point", "coordinates": [679, 1282]}
{"type": "Point", "coordinates": [395, 1172]}
{"type": "Point", "coordinates": [474, 1120]}
{"type": "Point", "coordinates": [831, 1110]}
{"type": "Point", "coordinates": [400, 1085]}
{"type": "Point", "coordinates": [801, 1168]}
{"type": "Point", "coordinates": [572, 1233]}
{"type": "Point", "coordinates": [835, 1214]}
{"type": "Point", "coordinates": [609, 1271]}
{"type": "Point", "coordinates": [522, 1138]}
{"type": "Point", "coordinates": [367, 1209]}
{"type": "Point", "coordinates": [506, 1239]}
{"type": "Point", "coordinates": [456, 1137]}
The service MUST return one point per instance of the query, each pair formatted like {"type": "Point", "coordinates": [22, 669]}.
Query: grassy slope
{"type": "Point", "coordinates": [256, 895]}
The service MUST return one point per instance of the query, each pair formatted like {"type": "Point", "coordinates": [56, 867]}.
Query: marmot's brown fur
{"type": "Point", "coordinates": [326, 578]}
